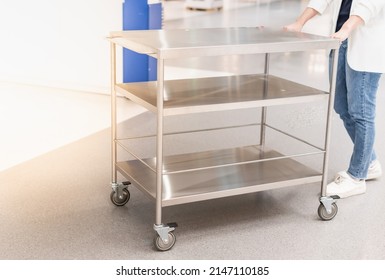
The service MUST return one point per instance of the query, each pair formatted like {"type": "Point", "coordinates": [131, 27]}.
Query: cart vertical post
{"type": "Point", "coordinates": [264, 109]}
{"type": "Point", "coordinates": [334, 61]}
{"type": "Point", "coordinates": [114, 173]}
{"type": "Point", "coordinates": [328, 208]}
{"type": "Point", "coordinates": [159, 141]}
{"type": "Point", "coordinates": [165, 238]}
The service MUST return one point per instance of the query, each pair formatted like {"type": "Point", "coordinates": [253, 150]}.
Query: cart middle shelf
{"type": "Point", "coordinates": [220, 93]}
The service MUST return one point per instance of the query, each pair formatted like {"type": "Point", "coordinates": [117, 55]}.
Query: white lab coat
{"type": "Point", "coordinates": [366, 44]}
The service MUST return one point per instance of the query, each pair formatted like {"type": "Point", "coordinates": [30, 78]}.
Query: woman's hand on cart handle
{"type": "Point", "coordinates": [352, 23]}
{"type": "Point", "coordinates": [294, 27]}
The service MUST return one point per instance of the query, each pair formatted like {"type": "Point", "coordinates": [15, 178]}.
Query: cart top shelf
{"type": "Point", "coordinates": [177, 43]}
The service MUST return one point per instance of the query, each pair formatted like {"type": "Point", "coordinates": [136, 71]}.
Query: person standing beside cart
{"type": "Point", "coordinates": [359, 25]}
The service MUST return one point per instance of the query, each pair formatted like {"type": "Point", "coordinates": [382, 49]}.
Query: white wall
{"type": "Point", "coordinates": [59, 43]}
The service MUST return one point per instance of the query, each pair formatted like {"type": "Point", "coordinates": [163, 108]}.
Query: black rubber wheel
{"type": "Point", "coordinates": [324, 215]}
{"type": "Point", "coordinates": [161, 246]}
{"type": "Point", "coordinates": [122, 200]}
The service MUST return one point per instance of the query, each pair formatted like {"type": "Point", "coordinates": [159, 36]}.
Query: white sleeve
{"type": "Point", "coordinates": [367, 9]}
{"type": "Point", "coordinates": [320, 5]}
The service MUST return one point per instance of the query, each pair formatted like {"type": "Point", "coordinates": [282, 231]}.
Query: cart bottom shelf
{"type": "Point", "coordinates": [179, 188]}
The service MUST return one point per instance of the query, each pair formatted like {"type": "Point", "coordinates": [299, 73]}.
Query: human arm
{"type": "Point", "coordinates": [362, 12]}
{"type": "Point", "coordinates": [297, 26]}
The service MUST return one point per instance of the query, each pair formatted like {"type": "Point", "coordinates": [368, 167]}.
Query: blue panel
{"type": "Point", "coordinates": [155, 22]}
{"type": "Point", "coordinates": [135, 17]}
{"type": "Point", "coordinates": [138, 15]}
{"type": "Point", "coordinates": [155, 16]}
{"type": "Point", "coordinates": [135, 67]}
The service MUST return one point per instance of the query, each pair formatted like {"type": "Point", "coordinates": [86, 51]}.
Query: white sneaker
{"type": "Point", "coordinates": [374, 171]}
{"type": "Point", "coordinates": [344, 186]}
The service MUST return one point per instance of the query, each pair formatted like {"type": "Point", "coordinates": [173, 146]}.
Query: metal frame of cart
{"type": "Point", "coordinates": [195, 176]}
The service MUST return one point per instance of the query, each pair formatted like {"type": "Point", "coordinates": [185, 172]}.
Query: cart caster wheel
{"type": "Point", "coordinates": [324, 215]}
{"type": "Point", "coordinates": [161, 245]}
{"type": "Point", "coordinates": [122, 200]}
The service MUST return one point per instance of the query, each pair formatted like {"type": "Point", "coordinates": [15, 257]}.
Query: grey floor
{"type": "Point", "coordinates": [57, 206]}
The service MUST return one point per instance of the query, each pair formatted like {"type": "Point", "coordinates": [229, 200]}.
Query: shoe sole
{"type": "Point", "coordinates": [356, 191]}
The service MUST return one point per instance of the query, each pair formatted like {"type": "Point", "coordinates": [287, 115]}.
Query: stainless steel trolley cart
{"type": "Point", "coordinates": [189, 177]}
